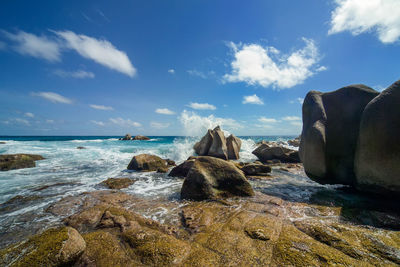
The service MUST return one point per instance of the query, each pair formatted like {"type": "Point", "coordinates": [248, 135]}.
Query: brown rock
{"type": "Point", "coordinates": [140, 137]}
{"type": "Point", "coordinates": [182, 169]}
{"type": "Point", "coordinates": [146, 162]}
{"type": "Point", "coordinates": [18, 161]}
{"type": "Point", "coordinates": [118, 183]}
{"type": "Point", "coordinates": [213, 178]}
{"type": "Point", "coordinates": [233, 145]}
{"type": "Point", "coordinates": [256, 169]}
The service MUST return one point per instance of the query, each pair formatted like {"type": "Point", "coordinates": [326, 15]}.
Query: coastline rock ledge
{"type": "Point", "coordinates": [215, 144]}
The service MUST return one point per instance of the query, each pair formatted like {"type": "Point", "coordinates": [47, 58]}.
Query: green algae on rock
{"type": "Point", "coordinates": [18, 161]}
{"type": "Point", "coordinates": [53, 247]}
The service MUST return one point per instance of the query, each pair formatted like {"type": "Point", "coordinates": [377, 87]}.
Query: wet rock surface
{"type": "Point", "coordinates": [261, 230]}
{"type": "Point", "coordinates": [146, 162]}
{"type": "Point", "coordinates": [266, 153]}
{"type": "Point", "coordinates": [140, 137]}
{"type": "Point", "coordinates": [18, 161]}
{"type": "Point", "coordinates": [118, 183]}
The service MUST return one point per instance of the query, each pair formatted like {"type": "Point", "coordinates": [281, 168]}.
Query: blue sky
{"type": "Point", "coordinates": [178, 67]}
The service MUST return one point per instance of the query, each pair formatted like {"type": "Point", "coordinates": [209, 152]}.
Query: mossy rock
{"type": "Point", "coordinates": [54, 247]}
{"type": "Point", "coordinates": [118, 183]}
{"type": "Point", "coordinates": [18, 161]}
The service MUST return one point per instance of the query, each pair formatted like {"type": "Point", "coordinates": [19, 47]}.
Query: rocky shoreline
{"type": "Point", "coordinates": [225, 214]}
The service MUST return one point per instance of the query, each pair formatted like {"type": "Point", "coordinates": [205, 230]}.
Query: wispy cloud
{"type": "Point", "coordinates": [201, 106]}
{"type": "Point", "coordinates": [99, 123]}
{"type": "Point", "coordinates": [357, 16]}
{"type": "Point", "coordinates": [297, 100]}
{"type": "Point", "coordinates": [125, 122]}
{"type": "Point", "coordinates": [100, 51]}
{"type": "Point", "coordinates": [22, 121]}
{"type": "Point", "coordinates": [266, 66]}
{"type": "Point", "coordinates": [80, 74]}
{"type": "Point", "coordinates": [291, 118]}
{"type": "Point", "coordinates": [3, 45]}
{"type": "Point", "coordinates": [29, 114]}
{"type": "Point", "coordinates": [171, 71]}
{"type": "Point", "coordinates": [102, 15]}
{"type": "Point", "coordinates": [101, 107]}
{"type": "Point", "coordinates": [201, 74]}
{"type": "Point", "coordinates": [252, 99]}
{"type": "Point", "coordinates": [164, 111]}
{"type": "Point", "coordinates": [53, 97]}
{"type": "Point", "coordinates": [35, 46]}
{"type": "Point", "coordinates": [50, 121]}
{"type": "Point", "coordinates": [267, 120]}
{"type": "Point", "coordinates": [159, 125]}
{"type": "Point", "coordinates": [296, 123]}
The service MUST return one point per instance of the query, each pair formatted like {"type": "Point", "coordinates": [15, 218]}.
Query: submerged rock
{"type": "Point", "coordinates": [267, 153]}
{"type": "Point", "coordinates": [18, 161]}
{"type": "Point", "coordinates": [256, 169]}
{"type": "Point", "coordinates": [140, 137]}
{"type": "Point", "coordinates": [211, 178]}
{"type": "Point", "coordinates": [330, 133]}
{"type": "Point", "coordinates": [146, 162]}
{"type": "Point", "coordinates": [2, 143]}
{"type": "Point", "coordinates": [377, 160]}
{"type": "Point", "coordinates": [81, 147]}
{"type": "Point", "coordinates": [54, 247]}
{"type": "Point", "coordinates": [215, 144]}
{"type": "Point", "coordinates": [118, 183]}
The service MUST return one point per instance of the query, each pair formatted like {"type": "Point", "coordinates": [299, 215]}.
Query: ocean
{"type": "Point", "coordinates": [68, 171]}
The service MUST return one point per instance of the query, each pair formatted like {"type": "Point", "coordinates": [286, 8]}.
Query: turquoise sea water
{"type": "Point", "coordinates": [68, 171]}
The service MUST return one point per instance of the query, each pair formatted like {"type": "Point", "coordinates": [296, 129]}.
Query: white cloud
{"type": "Point", "coordinates": [125, 123]}
{"type": "Point", "coordinates": [22, 121]}
{"type": "Point", "coordinates": [101, 107]}
{"type": "Point", "coordinates": [53, 97]}
{"type": "Point", "coordinates": [291, 118]}
{"type": "Point", "coordinates": [164, 111]}
{"type": "Point", "coordinates": [201, 74]}
{"type": "Point", "coordinates": [80, 74]}
{"type": "Point", "coordinates": [296, 123]}
{"type": "Point", "coordinates": [29, 114]}
{"type": "Point", "coordinates": [50, 121]}
{"type": "Point", "coordinates": [172, 71]}
{"type": "Point", "coordinates": [267, 120]}
{"type": "Point", "coordinates": [99, 123]}
{"type": "Point", "coordinates": [159, 125]}
{"type": "Point", "coordinates": [35, 46]}
{"type": "Point", "coordinates": [202, 106]}
{"type": "Point", "coordinates": [2, 45]}
{"type": "Point", "coordinates": [100, 51]}
{"type": "Point", "coordinates": [298, 100]}
{"type": "Point", "coordinates": [359, 16]}
{"type": "Point", "coordinates": [195, 125]}
{"type": "Point", "coordinates": [265, 66]}
{"type": "Point", "coordinates": [252, 99]}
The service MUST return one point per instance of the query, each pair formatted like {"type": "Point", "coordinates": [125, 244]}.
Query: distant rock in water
{"type": "Point", "coordinates": [146, 162]}
{"type": "Point", "coordinates": [127, 137]}
{"type": "Point", "coordinates": [3, 143]}
{"type": "Point", "coordinates": [140, 137]}
{"type": "Point", "coordinates": [377, 161]}
{"type": "Point", "coordinates": [81, 147]}
{"type": "Point", "coordinates": [331, 123]}
{"type": "Point", "coordinates": [211, 178]}
{"type": "Point", "coordinates": [18, 161]}
{"type": "Point", "coordinates": [295, 142]}
{"type": "Point", "coordinates": [215, 144]}
{"type": "Point", "coordinates": [267, 153]}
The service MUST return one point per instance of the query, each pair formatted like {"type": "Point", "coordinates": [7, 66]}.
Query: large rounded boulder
{"type": "Point", "coordinates": [211, 178]}
{"type": "Point", "coordinates": [331, 124]}
{"type": "Point", "coordinates": [377, 161]}
{"type": "Point", "coordinates": [146, 162]}
{"type": "Point", "coordinates": [266, 153]}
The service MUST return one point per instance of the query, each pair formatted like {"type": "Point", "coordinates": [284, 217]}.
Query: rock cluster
{"type": "Point", "coordinates": [137, 137]}
{"type": "Point", "coordinates": [18, 161]}
{"type": "Point", "coordinates": [255, 232]}
{"type": "Point", "coordinates": [215, 144]}
{"type": "Point", "coordinates": [349, 137]}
